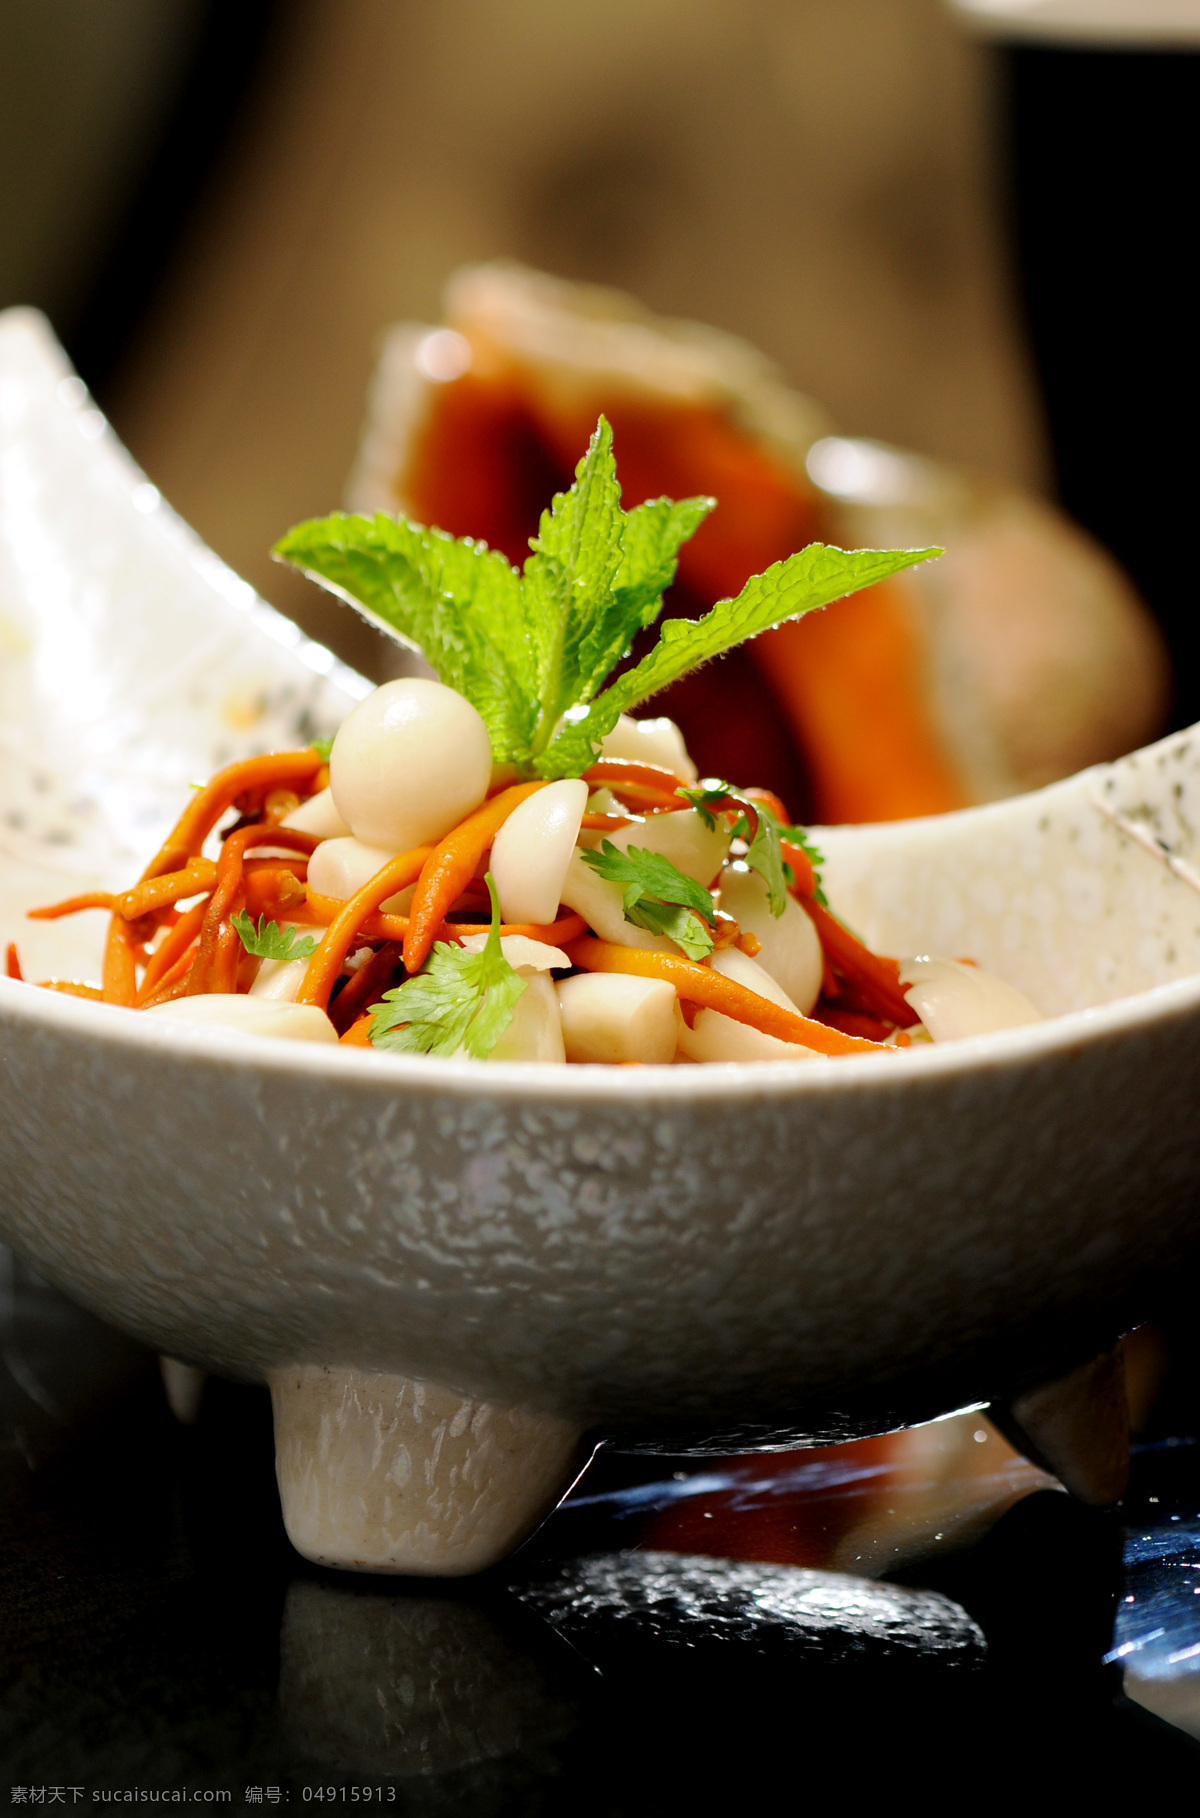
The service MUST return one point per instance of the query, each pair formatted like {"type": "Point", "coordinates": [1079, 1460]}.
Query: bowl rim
{"type": "Point", "coordinates": [113, 1026]}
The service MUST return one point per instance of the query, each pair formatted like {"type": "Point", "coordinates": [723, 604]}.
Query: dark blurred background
{"type": "Point", "coordinates": [972, 250]}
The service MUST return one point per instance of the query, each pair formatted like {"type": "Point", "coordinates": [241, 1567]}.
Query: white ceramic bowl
{"type": "Point", "coordinates": [455, 1276]}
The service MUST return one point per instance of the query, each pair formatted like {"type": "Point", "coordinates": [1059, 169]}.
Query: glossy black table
{"type": "Point", "coordinates": [160, 1639]}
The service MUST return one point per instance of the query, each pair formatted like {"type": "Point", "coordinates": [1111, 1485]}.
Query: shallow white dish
{"type": "Point", "coordinates": [456, 1276]}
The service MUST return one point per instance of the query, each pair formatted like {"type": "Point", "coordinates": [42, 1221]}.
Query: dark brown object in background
{"type": "Point", "coordinates": [1105, 179]}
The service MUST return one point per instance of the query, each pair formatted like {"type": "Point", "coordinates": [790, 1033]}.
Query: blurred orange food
{"type": "Point", "coordinates": [862, 715]}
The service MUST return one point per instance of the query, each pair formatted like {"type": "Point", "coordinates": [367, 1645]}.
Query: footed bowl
{"type": "Point", "coordinates": [457, 1278]}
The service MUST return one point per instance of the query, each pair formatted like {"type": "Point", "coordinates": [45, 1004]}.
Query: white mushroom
{"type": "Point", "coordinates": [277, 981]}
{"type": "Point", "coordinates": [954, 1000]}
{"type": "Point", "coordinates": [789, 948]}
{"type": "Point", "coordinates": [533, 848]}
{"type": "Point", "coordinates": [340, 868]}
{"type": "Point", "coordinates": [317, 816]}
{"type": "Point", "coordinates": [408, 763]}
{"type": "Point", "coordinates": [535, 1033]}
{"type": "Point", "coordinates": [649, 742]}
{"type": "Point", "coordinates": [611, 1016]}
{"type": "Point", "coordinates": [716, 1037]}
{"type": "Point", "coordinates": [521, 952]}
{"type": "Point", "coordinates": [249, 1015]}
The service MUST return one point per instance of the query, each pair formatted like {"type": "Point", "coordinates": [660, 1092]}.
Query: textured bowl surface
{"type": "Point", "coordinates": [668, 1252]}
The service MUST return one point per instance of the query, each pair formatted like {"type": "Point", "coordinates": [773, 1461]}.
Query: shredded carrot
{"type": "Point", "coordinates": [120, 966]}
{"type": "Point", "coordinates": [72, 988]}
{"type": "Point", "coordinates": [272, 892]}
{"type": "Point", "coordinates": [223, 976]}
{"type": "Point", "coordinates": [367, 984]}
{"type": "Point", "coordinates": [346, 926]}
{"type": "Point", "coordinates": [770, 801]}
{"type": "Point", "coordinates": [168, 951]}
{"type": "Point", "coordinates": [324, 910]}
{"type": "Point", "coordinates": [358, 1035]}
{"type": "Point", "coordinates": [875, 978]}
{"type": "Point", "coordinates": [701, 985]}
{"type": "Point", "coordinates": [172, 983]}
{"type": "Point", "coordinates": [195, 878]}
{"type": "Point", "coordinates": [93, 899]}
{"type": "Point", "coordinates": [605, 823]}
{"type": "Point", "coordinates": [802, 867]}
{"type": "Point", "coordinates": [275, 770]}
{"type": "Point", "coordinates": [644, 798]}
{"type": "Point", "coordinates": [12, 964]}
{"type": "Point", "coordinates": [451, 866]}
{"type": "Point", "coordinates": [653, 776]}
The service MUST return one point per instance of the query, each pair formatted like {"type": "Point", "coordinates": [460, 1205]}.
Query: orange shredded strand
{"type": "Point", "coordinates": [195, 878]}
{"type": "Point", "coordinates": [365, 987]}
{"type": "Point", "coordinates": [169, 949]}
{"type": "Point", "coordinates": [72, 987]}
{"type": "Point", "coordinates": [877, 979]}
{"type": "Point", "coordinates": [93, 899]}
{"type": "Point", "coordinates": [701, 985]}
{"type": "Point", "coordinates": [451, 866]}
{"type": "Point", "coordinates": [171, 984]}
{"type": "Point", "coordinates": [329, 958]}
{"type": "Point", "coordinates": [358, 1035]}
{"type": "Point", "coordinates": [275, 770]}
{"type": "Point", "coordinates": [802, 867]}
{"type": "Point", "coordinates": [120, 963]}
{"type": "Point", "coordinates": [12, 964]}
{"type": "Point", "coordinates": [608, 771]}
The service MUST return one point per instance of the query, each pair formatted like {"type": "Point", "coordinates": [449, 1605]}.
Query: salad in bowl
{"type": "Point", "coordinates": [499, 862]}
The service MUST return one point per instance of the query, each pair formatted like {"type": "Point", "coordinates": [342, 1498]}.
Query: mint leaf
{"type": "Point", "coordinates": [269, 940]}
{"type": "Point", "coordinates": [457, 1000]}
{"type": "Point", "coordinates": [568, 583]}
{"type": "Point", "coordinates": [455, 600]}
{"type": "Point", "coordinates": [802, 582]}
{"type": "Point", "coordinates": [654, 534]}
{"type": "Point", "coordinates": [658, 896]}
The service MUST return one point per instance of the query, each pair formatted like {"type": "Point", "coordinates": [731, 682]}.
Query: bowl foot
{"type": "Point", "coordinates": [1077, 1428]}
{"type": "Point", "coordinates": [383, 1473]}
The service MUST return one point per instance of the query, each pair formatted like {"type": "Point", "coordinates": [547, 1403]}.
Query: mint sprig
{"type": "Point", "coordinates": [458, 1000]}
{"type": "Point", "coordinates": [269, 940]}
{"type": "Point", "coordinates": [532, 651]}
{"type": "Point", "coordinates": [658, 896]}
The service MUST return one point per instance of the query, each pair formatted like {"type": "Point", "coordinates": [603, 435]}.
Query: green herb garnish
{"type": "Point", "coordinates": [532, 651]}
{"type": "Point", "coordinates": [658, 896]}
{"type": "Point", "coordinates": [457, 1000]}
{"type": "Point", "coordinates": [269, 940]}
{"type": "Point", "coordinates": [763, 853]}
{"type": "Point", "coordinates": [322, 747]}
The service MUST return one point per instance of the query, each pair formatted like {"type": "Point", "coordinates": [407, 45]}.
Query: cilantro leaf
{"type": "Point", "coordinates": [269, 940]}
{"type": "Point", "coordinates": [802, 582]}
{"type": "Point", "coordinates": [323, 748]}
{"type": "Point", "coordinates": [458, 1000]}
{"type": "Point", "coordinates": [799, 836]}
{"type": "Point", "coordinates": [658, 896]}
{"type": "Point", "coordinates": [763, 855]}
